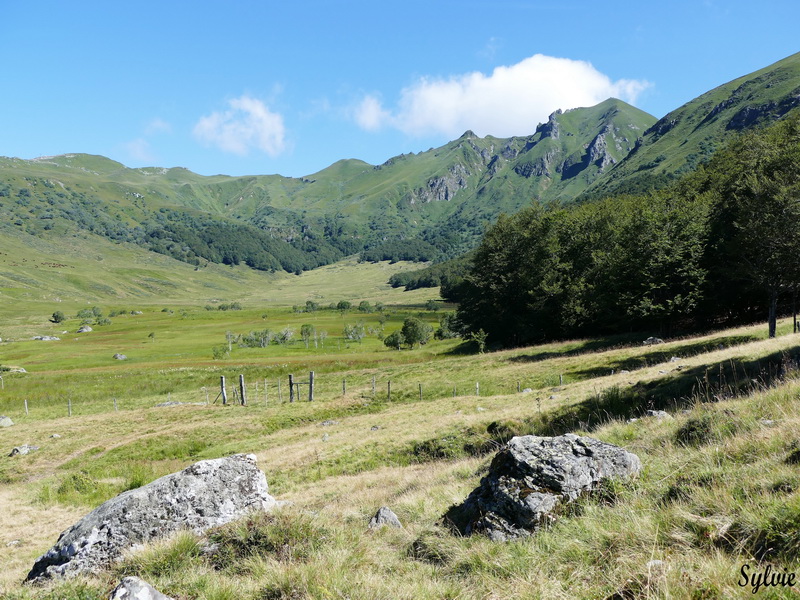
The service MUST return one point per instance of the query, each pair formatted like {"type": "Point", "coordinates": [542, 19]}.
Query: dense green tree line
{"type": "Point", "coordinates": [720, 246]}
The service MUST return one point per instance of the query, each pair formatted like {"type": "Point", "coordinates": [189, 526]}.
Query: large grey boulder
{"type": "Point", "coordinates": [207, 494]}
{"type": "Point", "coordinates": [133, 588]}
{"type": "Point", "coordinates": [531, 477]}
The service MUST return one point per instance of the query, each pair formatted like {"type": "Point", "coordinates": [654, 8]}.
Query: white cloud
{"type": "Point", "coordinates": [370, 115]}
{"type": "Point", "coordinates": [510, 101]}
{"type": "Point", "coordinates": [247, 125]}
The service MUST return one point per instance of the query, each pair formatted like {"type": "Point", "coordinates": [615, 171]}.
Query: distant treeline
{"type": "Point", "coordinates": [720, 246]}
{"type": "Point", "coordinates": [446, 274]}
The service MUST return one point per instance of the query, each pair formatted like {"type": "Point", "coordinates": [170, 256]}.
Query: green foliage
{"type": "Point", "coordinates": [354, 333]}
{"type": "Point", "coordinates": [58, 317]}
{"type": "Point", "coordinates": [395, 340]}
{"type": "Point", "coordinates": [698, 251]}
{"type": "Point", "coordinates": [416, 332]}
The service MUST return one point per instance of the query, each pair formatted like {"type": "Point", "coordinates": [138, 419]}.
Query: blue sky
{"type": "Point", "coordinates": [290, 87]}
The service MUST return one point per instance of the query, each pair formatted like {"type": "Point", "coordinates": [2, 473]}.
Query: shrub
{"type": "Point", "coordinates": [58, 317]}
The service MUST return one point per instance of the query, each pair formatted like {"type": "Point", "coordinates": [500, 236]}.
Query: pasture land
{"type": "Point", "coordinates": [719, 486]}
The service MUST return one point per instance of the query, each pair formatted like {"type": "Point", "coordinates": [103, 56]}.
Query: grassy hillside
{"type": "Point", "coordinates": [445, 196]}
{"type": "Point", "coordinates": [687, 136]}
{"type": "Point", "coordinates": [719, 486]}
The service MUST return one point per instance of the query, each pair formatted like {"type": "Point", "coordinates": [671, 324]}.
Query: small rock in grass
{"type": "Point", "coordinates": [385, 516]}
{"type": "Point", "coordinates": [119, 356]}
{"type": "Point", "coordinates": [133, 588]}
{"type": "Point", "coordinates": [527, 391]}
{"type": "Point", "coordinates": [6, 421]}
{"type": "Point", "coordinates": [22, 450]}
{"type": "Point", "coordinates": [658, 414]}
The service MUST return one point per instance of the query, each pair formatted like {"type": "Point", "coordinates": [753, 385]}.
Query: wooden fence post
{"type": "Point", "coordinates": [280, 394]}
{"type": "Point", "coordinates": [389, 390]}
{"type": "Point", "coordinates": [291, 388]}
{"type": "Point", "coordinates": [373, 386]}
{"type": "Point", "coordinates": [242, 391]}
{"type": "Point", "coordinates": [518, 388]}
{"type": "Point", "coordinates": [420, 392]}
{"type": "Point", "coordinates": [477, 388]}
{"type": "Point", "coordinates": [223, 391]}
{"type": "Point", "coordinates": [115, 404]}
{"type": "Point", "coordinates": [311, 386]}
{"type": "Point", "coordinates": [69, 407]}
{"type": "Point", "coordinates": [26, 407]}
{"type": "Point", "coordinates": [344, 387]}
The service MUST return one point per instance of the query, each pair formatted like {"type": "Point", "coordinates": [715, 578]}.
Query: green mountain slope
{"type": "Point", "coordinates": [443, 198]}
{"type": "Point", "coordinates": [430, 205]}
{"type": "Point", "coordinates": [689, 135]}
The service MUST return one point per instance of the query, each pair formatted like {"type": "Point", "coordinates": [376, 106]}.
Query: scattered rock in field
{"type": "Point", "coordinates": [14, 543]}
{"type": "Point", "coordinates": [527, 391]}
{"type": "Point", "coordinates": [119, 356]}
{"type": "Point", "coordinates": [480, 409]}
{"type": "Point", "coordinates": [624, 372]}
{"type": "Point", "coordinates": [767, 422]}
{"type": "Point", "coordinates": [206, 494]}
{"type": "Point", "coordinates": [16, 370]}
{"type": "Point", "coordinates": [84, 329]}
{"type": "Point", "coordinates": [136, 312]}
{"type": "Point", "coordinates": [329, 422]}
{"type": "Point", "coordinates": [632, 420]}
{"type": "Point", "coordinates": [652, 341]}
{"type": "Point", "coordinates": [385, 516]}
{"type": "Point", "coordinates": [658, 414]}
{"type": "Point", "coordinates": [133, 588]}
{"type": "Point", "coordinates": [375, 428]}
{"type": "Point", "coordinates": [6, 421]}
{"type": "Point", "coordinates": [55, 436]}
{"type": "Point", "coordinates": [531, 477]}
{"type": "Point", "coordinates": [169, 403]}
{"type": "Point", "coordinates": [553, 397]}
{"type": "Point", "coordinates": [47, 338]}
{"type": "Point", "coordinates": [674, 359]}
{"type": "Point", "coordinates": [22, 450]}
{"type": "Point", "coordinates": [325, 437]}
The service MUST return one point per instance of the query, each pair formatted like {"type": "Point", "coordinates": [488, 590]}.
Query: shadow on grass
{"type": "Point", "coordinates": [707, 383]}
{"type": "Point", "coordinates": [658, 355]}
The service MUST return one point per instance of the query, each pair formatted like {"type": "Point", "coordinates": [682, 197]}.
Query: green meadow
{"type": "Point", "coordinates": [719, 488]}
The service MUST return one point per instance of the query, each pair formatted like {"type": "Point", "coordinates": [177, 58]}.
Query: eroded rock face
{"type": "Point", "coordinates": [207, 494]}
{"type": "Point", "coordinates": [531, 477]}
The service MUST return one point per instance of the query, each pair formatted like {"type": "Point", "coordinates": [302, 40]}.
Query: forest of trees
{"type": "Point", "coordinates": [720, 246]}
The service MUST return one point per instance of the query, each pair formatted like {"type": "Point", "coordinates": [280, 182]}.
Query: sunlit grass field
{"type": "Point", "coordinates": [719, 488]}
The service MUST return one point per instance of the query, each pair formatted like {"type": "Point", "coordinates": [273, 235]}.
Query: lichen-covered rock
{"type": "Point", "coordinates": [84, 329]}
{"type": "Point", "coordinates": [206, 494]}
{"type": "Point", "coordinates": [531, 477]}
{"type": "Point", "coordinates": [133, 588]}
{"type": "Point", "coordinates": [385, 516]}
